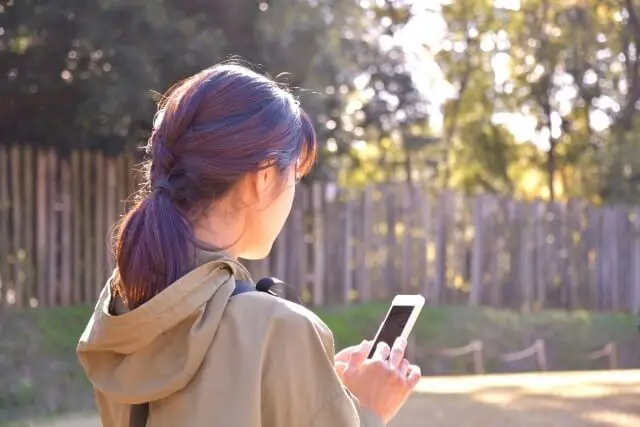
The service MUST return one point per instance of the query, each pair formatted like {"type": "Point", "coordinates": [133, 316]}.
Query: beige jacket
{"type": "Point", "coordinates": [202, 358]}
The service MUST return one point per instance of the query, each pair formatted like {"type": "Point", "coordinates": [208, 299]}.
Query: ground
{"type": "Point", "coordinates": [578, 399]}
{"type": "Point", "coordinates": [586, 399]}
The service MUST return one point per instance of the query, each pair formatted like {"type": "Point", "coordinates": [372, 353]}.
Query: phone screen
{"type": "Point", "coordinates": [393, 325]}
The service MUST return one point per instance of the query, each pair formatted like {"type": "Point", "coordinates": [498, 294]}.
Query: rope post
{"type": "Point", "coordinates": [610, 351]}
{"type": "Point", "coordinates": [475, 348]}
{"type": "Point", "coordinates": [541, 355]}
{"type": "Point", "coordinates": [537, 349]}
{"type": "Point", "coordinates": [478, 357]}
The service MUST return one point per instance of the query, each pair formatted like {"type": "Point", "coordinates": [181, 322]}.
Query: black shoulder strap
{"type": "Point", "coordinates": [139, 414]}
{"type": "Point", "coordinates": [242, 287]}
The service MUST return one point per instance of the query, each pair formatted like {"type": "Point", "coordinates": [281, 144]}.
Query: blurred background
{"type": "Point", "coordinates": [484, 153]}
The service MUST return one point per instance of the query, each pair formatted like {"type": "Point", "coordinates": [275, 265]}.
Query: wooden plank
{"type": "Point", "coordinates": [541, 245]}
{"type": "Point", "coordinates": [391, 285]}
{"type": "Point", "coordinates": [427, 211]}
{"type": "Point", "coordinates": [111, 210]}
{"type": "Point", "coordinates": [573, 252]}
{"type": "Point", "coordinates": [526, 267]}
{"type": "Point", "coordinates": [377, 243]}
{"type": "Point", "coordinates": [347, 272]}
{"type": "Point", "coordinates": [5, 217]}
{"type": "Point", "coordinates": [53, 283]}
{"type": "Point", "coordinates": [318, 245]}
{"type": "Point", "coordinates": [99, 225]}
{"type": "Point", "coordinates": [582, 257]}
{"type": "Point", "coordinates": [363, 276]}
{"type": "Point", "coordinates": [122, 178]}
{"type": "Point", "coordinates": [442, 231]}
{"type": "Point", "coordinates": [330, 215]}
{"type": "Point", "coordinates": [597, 218]}
{"type": "Point", "coordinates": [76, 239]}
{"type": "Point", "coordinates": [66, 254]}
{"type": "Point", "coordinates": [280, 254]}
{"type": "Point", "coordinates": [18, 226]}
{"type": "Point", "coordinates": [88, 233]}
{"type": "Point", "coordinates": [613, 275]}
{"type": "Point", "coordinates": [635, 264]}
{"type": "Point", "coordinates": [625, 248]}
{"type": "Point", "coordinates": [42, 232]}
{"type": "Point", "coordinates": [514, 234]}
{"type": "Point", "coordinates": [562, 239]}
{"type": "Point", "coordinates": [29, 234]}
{"type": "Point", "coordinates": [298, 245]}
{"type": "Point", "coordinates": [475, 296]}
{"type": "Point", "coordinates": [407, 283]}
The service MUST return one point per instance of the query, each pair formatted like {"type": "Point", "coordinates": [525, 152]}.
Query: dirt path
{"type": "Point", "coordinates": [591, 399]}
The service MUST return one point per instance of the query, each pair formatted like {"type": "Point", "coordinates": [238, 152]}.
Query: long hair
{"type": "Point", "coordinates": [210, 130]}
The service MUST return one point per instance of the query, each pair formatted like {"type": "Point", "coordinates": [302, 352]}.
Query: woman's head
{"type": "Point", "coordinates": [227, 148]}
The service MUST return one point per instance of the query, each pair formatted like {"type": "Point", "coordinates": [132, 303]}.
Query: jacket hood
{"type": "Point", "coordinates": [155, 350]}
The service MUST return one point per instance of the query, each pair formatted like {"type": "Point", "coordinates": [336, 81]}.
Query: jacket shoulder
{"type": "Point", "coordinates": [297, 314]}
{"type": "Point", "coordinates": [282, 311]}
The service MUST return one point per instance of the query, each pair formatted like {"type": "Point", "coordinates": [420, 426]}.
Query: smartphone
{"type": "Point", "coordinates": [399, 321]}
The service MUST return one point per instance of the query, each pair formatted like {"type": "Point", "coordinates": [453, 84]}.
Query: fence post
{"type": "Point", "coordinates": [318, 244]}
{"type": "Point", "coordinates": [635, 265]}
{"type": "Point", "coordinates": [29, 264]}
{"type": "Point", "coordinates": [526, 260]}
{"type": "Point", "coordinates": [17, 250]}
{"type": "Point", "coordinates": [52, 243]}
{"type": "Point", "coordinates": [475, 296]}
{"type": "Point", "coordinates": [441, 250]}
{"type": "Point", "coordinates": [66, 255]}
{"type": "Point", "coordinates": [347, 279]}
{"type": "Point", "coordinates": [5, 212]}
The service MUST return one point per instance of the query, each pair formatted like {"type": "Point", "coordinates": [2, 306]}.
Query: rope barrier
{"type": "Point", "coordinates": [609, 351]}
{"type": "Point", "coordinates": [537, 349]}
{"type": "Point", "coordinates": [474, 348]}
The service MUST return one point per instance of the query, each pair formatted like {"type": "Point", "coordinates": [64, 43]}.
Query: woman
{"type": "Point", "coordinates": [227, 148]}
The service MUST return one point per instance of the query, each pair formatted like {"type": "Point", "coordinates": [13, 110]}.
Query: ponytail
{"type": "Point", "coordinates": [153, 249]}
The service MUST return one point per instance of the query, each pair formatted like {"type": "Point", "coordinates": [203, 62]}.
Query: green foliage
{"type": "Point", "coordinates": [569, 335]}
{"type": "Point", "coordinates": [568, 65]}
{"type": "Point", "coordinates": [87, 75]}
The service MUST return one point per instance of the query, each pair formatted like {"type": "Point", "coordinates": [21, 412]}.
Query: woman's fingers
{"type": "Point", "coordinates": [413, 376]}
{"type": "Point", "coordinates": [344, 354]}
{"type": "Point", "coordinates": [358, 356]}
{"type": "Point", "coordinates": [382, 352]}
{"type": "Point", "coordinates": [403, 369]}
{"type": "Point", "coordinates": [397, 352]}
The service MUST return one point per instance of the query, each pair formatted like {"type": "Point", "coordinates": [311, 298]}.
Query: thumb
{"type": "Point", "coordinates": [357, 357]}
{"type": "Point", "coordinates": [340, 368]}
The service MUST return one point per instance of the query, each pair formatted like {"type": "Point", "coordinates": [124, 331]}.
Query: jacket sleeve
{"type": "Point", "coordinates": [300, 385]}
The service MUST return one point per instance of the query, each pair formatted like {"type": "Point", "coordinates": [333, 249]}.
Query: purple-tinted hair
{"type": "Point", "coordinates": [210, 130]}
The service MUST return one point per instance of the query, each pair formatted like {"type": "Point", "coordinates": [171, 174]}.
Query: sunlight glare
{"type": "Point", "coordinates": [507, 4]}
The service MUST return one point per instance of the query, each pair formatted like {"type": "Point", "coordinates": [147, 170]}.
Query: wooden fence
{"type": "Point", "coordinates": [338, 246]}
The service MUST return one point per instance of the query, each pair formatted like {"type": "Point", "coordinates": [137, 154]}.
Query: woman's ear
{"type": "Point", "coordinates": [262, 183]}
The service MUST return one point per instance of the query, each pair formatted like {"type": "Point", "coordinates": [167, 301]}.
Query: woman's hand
{"type": "Point", "coordinates": [383, 383]}
{"type": "Point", "coordinates": [343, 355]}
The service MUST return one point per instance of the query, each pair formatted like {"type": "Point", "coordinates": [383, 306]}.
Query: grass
{"type": "Point", "coordinates": [569, 335]}
{"type": "Point", "coordinates": [40, 376]}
